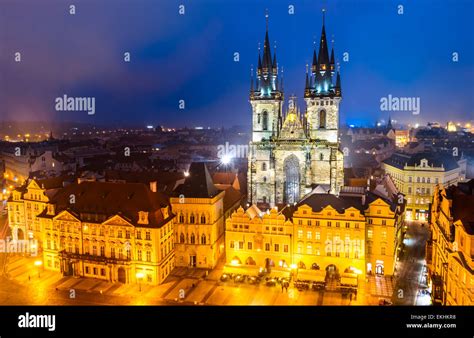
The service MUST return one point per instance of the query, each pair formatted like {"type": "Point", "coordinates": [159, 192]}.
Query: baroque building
{"type": "Point", "coordinates": [291, 152]}
{"type": "Point", "coordinates": [330, 237]}
{"type": "Point", "coordinates": [450, 250]}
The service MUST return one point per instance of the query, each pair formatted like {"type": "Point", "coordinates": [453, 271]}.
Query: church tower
{"type": "Point", "coordinates": [323, 93]}
{"type": "Point", "coordinates": [266, 97]}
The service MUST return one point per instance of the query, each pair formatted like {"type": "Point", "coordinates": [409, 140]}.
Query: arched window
{"type": "Point", "coordinates": [265, 120]}
{"type": "Point", "coordinates": [258, 118]}
{"type": "Point", "coordinates": [181, 238]}
{"type": "Point", "coordinates": [203, 219]}
{"type": "Point", "coordinates": [264, 166]}
{"type": "Point", "coordinates": [181, 218]}
{"type": "Point", "coordinates": [203, 239]}
{"type": "Point", "coordinates": [321, 156]}
{"type": "Point", "coordinates": [322, 119]}
{"type": "Point", "coordinates": [264, 179]}
{"type": "Point", "coordinates": [191, 219]}
{"type": "Point", "coordinates": [193, 238]}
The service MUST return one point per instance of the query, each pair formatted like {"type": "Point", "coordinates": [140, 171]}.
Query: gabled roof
{"type": "Point", "coordinates": [399, 160]}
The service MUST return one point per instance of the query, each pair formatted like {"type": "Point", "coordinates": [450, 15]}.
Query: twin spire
{"type": "Point", "coordinates": [319, 82]}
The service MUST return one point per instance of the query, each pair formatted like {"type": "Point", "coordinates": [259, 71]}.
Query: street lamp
{"type": "Point", "coordinates": [139, 276]}
{"type": "Point", "coordinates": [38, 264]}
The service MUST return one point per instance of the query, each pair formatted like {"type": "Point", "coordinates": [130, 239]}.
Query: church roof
{"type": "Point", "coordinates": [292, 127]}
{"type": "Point", "coordinates": [198, 184]}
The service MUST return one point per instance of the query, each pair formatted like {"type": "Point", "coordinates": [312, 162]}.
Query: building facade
{"type": "Point", "coordinates": [291, 152]}
{"type": "Point", "coordinates": [120, 232]}
{"type": "Point", "coordinates": [417, 175]}
{"type": "Point", "coordinates": [199, 208]}
{"type": "Point", "coordinates": [450, 250]}
{"type": "Point", "coordinates": [333, 234]}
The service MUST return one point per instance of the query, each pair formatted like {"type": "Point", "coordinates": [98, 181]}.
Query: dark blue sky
{"type": "Point", "coordinates": [190, 57]}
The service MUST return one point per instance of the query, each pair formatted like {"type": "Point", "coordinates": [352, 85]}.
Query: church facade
{"type": "Point", "coordinates": [292, 152]}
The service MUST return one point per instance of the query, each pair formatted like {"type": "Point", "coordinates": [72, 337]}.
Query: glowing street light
{"type": "Point", "coordinates": [225, 160]}
{"type": "Point", "coordinates": [38, 264]}
{"type": "Point", "coordinates": [139, 276]}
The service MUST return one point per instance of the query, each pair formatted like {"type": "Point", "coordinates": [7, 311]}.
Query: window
{"type": "Point", "coordinates": [384, 222]}
{"type": "Point", "coordinates": [379, 211]}
{"type": "Point", "coordinates": [309, 223]}
{"type": "Point", "coordinates": [148, 256]}
{"type": "Point", "coordinates": [241, 245]}
{"type": "Point", "coordinates": [87, 270]}
{"type": "Point", "coordinates": [409, 190]}
{"type": "Point", "coordinates": [102, 272]}
{"type": "Point", "coordinates": [193, 238]}
{"type": "Point", "coordinates": [338, 224]}
{"type": "Point", "coordinates": [329, 224]}
{"type": "Point", "coordinates": [264, 166]}
{"type": "Point", "coordinates": [94, 250]}
{"type": "Point", "coordinates": [258, 118]}
{"type": "Point", "coordinates": [317, 235]}
{"type": "Point", "coordinates": [321, 157]}
{"type": "Point", "coordinates": [148, 235]}
{"type": "Point", "coordinates": [249, 245]}
{"type": "Point", "coordinates": [277, 247]}
{"type": "Point", "coordinates": [267, 246]}
{"type": "Point", "coordinates": [384, 235]}
{"type": "Point", "coordinates": [139, 255]}
{"type": "Point", "coordinates": [265, 120]}
{"type": "Point", "coordinates": [119, 234]}
{"type": "Point", "coordinates": [285, 248]}
{"type": "Point", "coordinates": [356, 254]}
{"type": "Point", "coordinates": [203, 220]}
{"type": "Point", "coordinates": [120, 253]}
{"type": "Point", "coordinates": [102, 251]}
{"type": "Point", "coordinates": [318, 223]}
{"type": "Point", "coordinates": [309, 235]}
{"type": "Point", "coordinates": [370, 233]}
{"type": "Point", "coordinates": [348, 225]}
{"type": "Point", "coordinates": [382, 250]}
{"type": "Point", "coordinates": [231, 244]}
{"type": "Point", "coordinates": [322, 119]}
{"type": "Point", "coordinates": [127, 234]}
{"type": "Point", "coordinates": [181, 218]}
{"type": "Point", "coordinates": [300, 222]}
{"type": "Point", "coordinates": [181, 238]}
{"type": "Point", "coordinates": [309, 249]}
{"type": "Point", "coordinates": [127, 251]}
{"type": "Point", "coordinates": [203, 239]}
{"type": "Point", "coordinates": [370, 221]}
{"type": "Point", "coordinates": [101, 231]}
{"type": "Point", "coordinates": [410, 179]}
{"type": "Point", "coordinates": [300, 234]}
{"type": "Point", "coordinates": [112, 252]}
{"type": "Point", "coordinates": [191, 219]}
{"type": "Point", "coordinates": [95, 271]}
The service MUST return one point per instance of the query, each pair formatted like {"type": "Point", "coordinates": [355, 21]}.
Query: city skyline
{"type": "Point", "coordinates": [193, 59]}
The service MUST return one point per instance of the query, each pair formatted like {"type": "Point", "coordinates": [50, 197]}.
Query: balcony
{"type": "Point", "coordinates": [88, 257]}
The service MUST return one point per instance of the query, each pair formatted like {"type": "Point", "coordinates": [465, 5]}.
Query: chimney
{"type": "Point", "coordinates": [153, 186]}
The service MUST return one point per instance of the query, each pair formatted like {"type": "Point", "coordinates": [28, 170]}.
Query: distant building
{"type": "Point", "coordinates": [402, 137]}
{"type": "Point", "coordinates": [450, 249]}
{"type": "Point", "coordinates": [416, 176]}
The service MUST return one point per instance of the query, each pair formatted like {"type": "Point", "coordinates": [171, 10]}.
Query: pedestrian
{"type": "Point", "coordinates": [282, 287]}
{"type": "Point", "coordinates": [29, 277]}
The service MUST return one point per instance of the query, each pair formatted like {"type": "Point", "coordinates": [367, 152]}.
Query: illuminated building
{"type": "Point", "coordinates": [402, 137]}
{"type": "Point", "coordinates": [200, 210]}
{"type": "Point", "coordinates": [291, 153]}
{"type": "Point", "coordinates": [109, 231]}
{"type": "Point", "coordinates": [450, 250]}
{"type": "Point", "coordinates": [323, 232]}
{"type": "Point", "coordinates": [416, 176]}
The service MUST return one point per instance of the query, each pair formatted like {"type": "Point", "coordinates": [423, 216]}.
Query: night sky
{"type": "Point", "coordinates": [191, 57]}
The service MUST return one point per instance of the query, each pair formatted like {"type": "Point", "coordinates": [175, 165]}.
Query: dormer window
{"type": "Point", "coordinates": [142, 217]}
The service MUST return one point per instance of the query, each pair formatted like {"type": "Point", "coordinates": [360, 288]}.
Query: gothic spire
{"type": "Point", "coordinates": [323, 60]}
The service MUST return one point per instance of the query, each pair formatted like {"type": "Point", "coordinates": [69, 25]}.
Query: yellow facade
{"type": "Point", "coordinates": [417, 182]}
{"type": "Point", "coordinates": [199, 230]}
{"type": "Point", "coordinates": [23, 208]}
{"type": "Point", "coordinates": [353, 240]}
{"type": "Point", "coordinates": [450, 250]}
{"type": "Point", "coordinates": [112, 249]}
{"type": "Point", "coordinates": [262, 241]}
